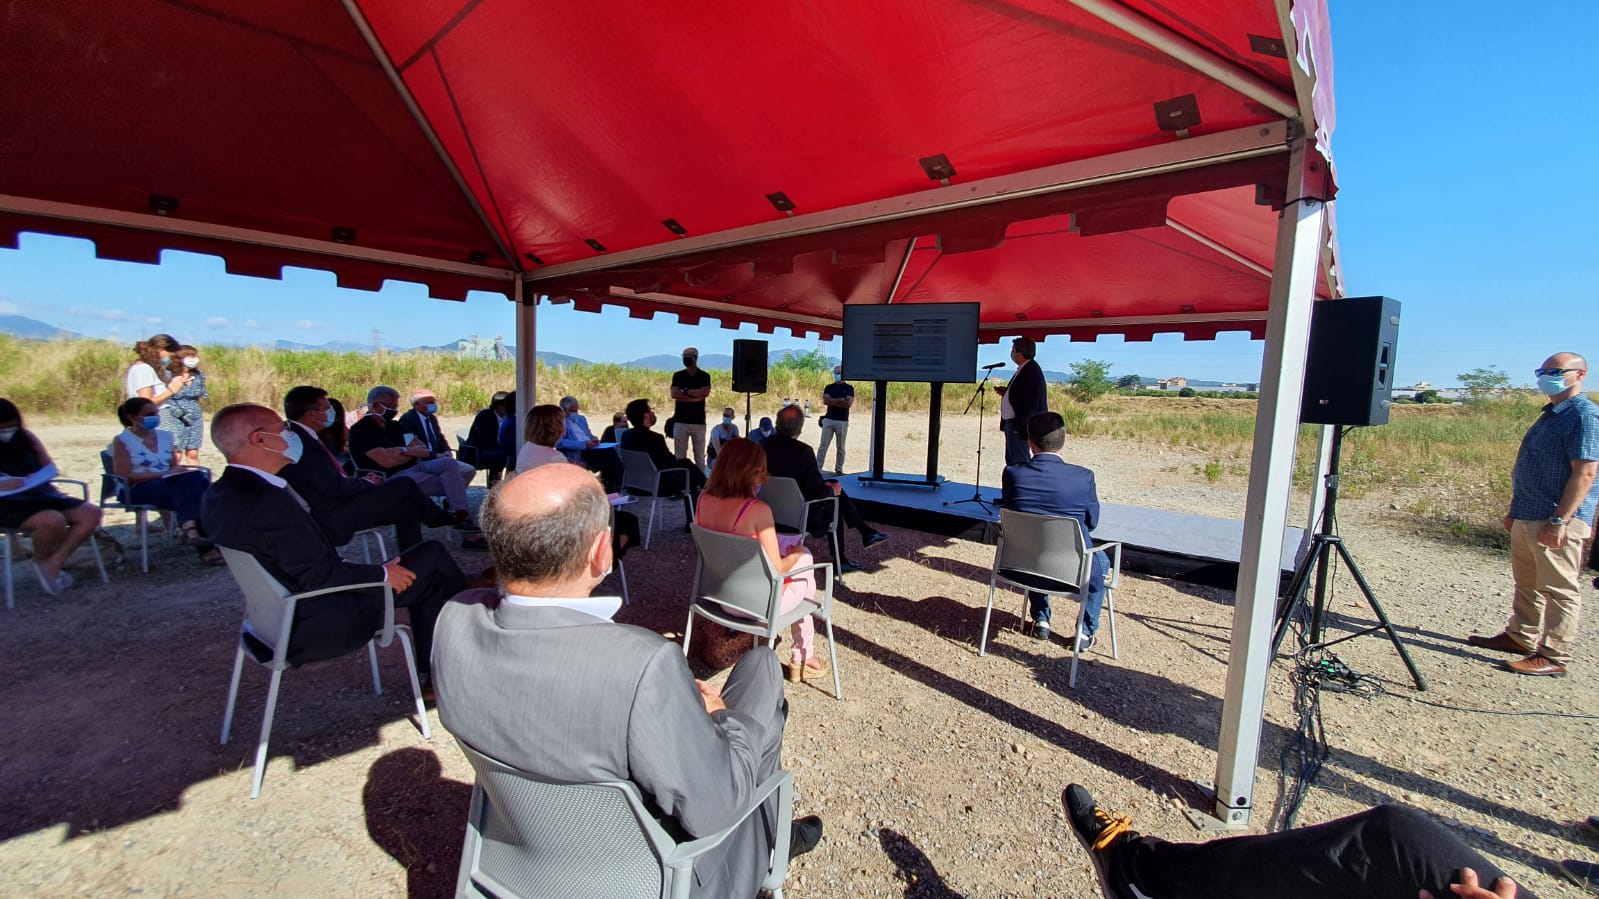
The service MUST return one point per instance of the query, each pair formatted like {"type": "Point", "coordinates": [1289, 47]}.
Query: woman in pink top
{"type": "Point", "coordinates": [728, 504]}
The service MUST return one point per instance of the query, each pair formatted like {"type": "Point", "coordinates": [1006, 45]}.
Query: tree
{"type": "Point", "coordinates": [1188, 391]}
{"type": "Point", "coordinates": [1426, 396]}
{"type": "Point", "coordinates": [1484, 383]}
{"type": "Point", "coordinates": [1129, 382]}
{"type": "Point", "coordinates": [1090, 380]}
{"type": "Point", "coordinates": [808, 362]}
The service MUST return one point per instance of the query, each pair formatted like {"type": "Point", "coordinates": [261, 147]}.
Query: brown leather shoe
{"type": "Point", "coordinates": [1537, 666]}
{"type": "Point", "coordinates": [1500, 642]}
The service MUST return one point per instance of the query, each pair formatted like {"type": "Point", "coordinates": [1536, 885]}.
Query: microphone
{"type": "Point", "coordinates": [994, 366]}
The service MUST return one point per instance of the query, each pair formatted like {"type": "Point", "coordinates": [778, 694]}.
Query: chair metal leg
{"type": "Point", "coordinates": [1110, 602]}
{"type": "Point", "coordinates": [416, 682]}
{"type": "Point", "coordinates": [233, 693]}
{"type": "Point", "coordinates": [372, 655]}
{"type": "Point", "coordinates": [266, 734]}
{"type": "Point", "coordinates": [94, 547]}
{"type": "Point", "coordinates": [838, 555]}
{"type": "Point", "coordinates": [982, 643]}
{"type": "Point", "coordinates": [11, 602]}
{"type": "Point", "coordinates": [688, 629]}
{"type": "Point", "coordinates": [621, 572]}
{"type": "Point", "coordinates": [1077, 651]}
{"type": "Point", "coordinates": [832, 650]}
{"type": "Point", "coordinates": [649, 520]}
{"type": "Point", "coordinates": [144, 540]}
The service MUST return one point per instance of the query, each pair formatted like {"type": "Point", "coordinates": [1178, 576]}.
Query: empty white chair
{"type": "Point", "coordinates": [641, 478]}
{"type": "Point", "coordinates": [1050, 554]}
{"type": "Point", "coordinates": [264, 637]}
{"type": "Point", "coordinates": [736, 586]}
{"type": "Point", "coordinates": [530, 838]}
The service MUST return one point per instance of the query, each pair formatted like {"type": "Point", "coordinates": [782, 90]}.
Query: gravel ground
{"type": "Point", "coordinates": [939, 774]}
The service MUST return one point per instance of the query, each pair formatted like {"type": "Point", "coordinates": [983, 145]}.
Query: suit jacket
{"type": "Point", "coordinates": [571, 697]}
{"type": "Point", "coordinates": [485, 432]}
{"type": "Point", "coordinates": [321, 482]}
{"type": "Point", "coordinates": [431, 435]}
{"type": "Point", "coordinates": [1027, 394]}
{"type": "Point", "coordinates": [644, 440]}
{"type": "Point", "coordinates": [789, 458]}
{"type": "Point", "coordinates": [243, 512]}
{"type": "Point", "coordinates": [1049, 485]}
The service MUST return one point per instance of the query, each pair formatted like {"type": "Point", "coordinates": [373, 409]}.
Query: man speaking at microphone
{"type": "Point", "coordinates": [1020, 400]}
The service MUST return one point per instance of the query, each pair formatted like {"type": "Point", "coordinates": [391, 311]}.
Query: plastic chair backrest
{"type": "Point", "coordinates": [788, 503]}
{"type": "Point", "coordinates": [638, 470]}
{"type": "Point", "coordinates": [735, 572]}
{"type": "Point", "coordinates": [110, 484]}
{"type": "Point", "coordinates": [1046, 546]}
{"type": "Point", "coordinates": [539, 838]}
{"type": "Point", "coordinates": [266, 611]}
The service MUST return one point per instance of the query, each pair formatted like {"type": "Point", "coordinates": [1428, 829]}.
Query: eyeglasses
{"type": "Point", "coordinates": [1542, 372]}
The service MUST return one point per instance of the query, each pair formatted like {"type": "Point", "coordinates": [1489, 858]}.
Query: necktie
{"type": "Point", "coordinates": [298, 498]}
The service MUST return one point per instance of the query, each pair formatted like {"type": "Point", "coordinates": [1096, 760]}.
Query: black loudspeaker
{"type": "Point", "coordinates": [749, 366]}
{"type": "Point", "coordinates": [1349, 370]}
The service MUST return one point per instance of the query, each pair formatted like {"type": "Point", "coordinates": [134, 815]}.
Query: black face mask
{"type": "Point", "coordinates": [688, 361]}
{"type": "Point", "coordinates": [388, 414]}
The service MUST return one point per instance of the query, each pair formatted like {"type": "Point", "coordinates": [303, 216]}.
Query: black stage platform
{"type": "Point", "coordinates": [1195, 548]}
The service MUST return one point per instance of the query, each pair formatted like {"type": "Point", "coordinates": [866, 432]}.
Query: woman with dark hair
{"type": "Point", "coordinates": [728, 504]}
{"type": "Point", "coordinates": [56, 523]}
{"type": "Point", "coordinates": [336, 436]}
{"type": "Point", "coordinates": [143, 455]}
{"type": "Point", "coordinates": [545, 425]}
{"type": "Point", "coordinates": [180, 415]}
{"type": "Point", "coordinates": [149, 376]}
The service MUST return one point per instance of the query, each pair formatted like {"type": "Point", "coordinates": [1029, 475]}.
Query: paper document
{"type": "Point", "coordinates": [38, 479]}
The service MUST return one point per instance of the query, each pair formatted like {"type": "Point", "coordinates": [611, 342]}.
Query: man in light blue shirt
{"type": "Point", "coordinates": [581, 446]}
{"type": "Point", "coordinates": [1550, 521]}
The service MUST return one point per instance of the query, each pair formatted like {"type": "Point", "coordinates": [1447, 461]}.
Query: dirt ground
{"type": "Point", "coordinates": [938, 775]}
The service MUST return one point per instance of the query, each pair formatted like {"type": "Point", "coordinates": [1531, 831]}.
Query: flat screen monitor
{"type": "Point", "coordinates": [917, 342]}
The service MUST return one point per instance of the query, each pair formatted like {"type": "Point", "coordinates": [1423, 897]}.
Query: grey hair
{"type": "Point", "coordinates": [568, 403]}
{"type": "Point", "coordinates": [380, 393]}
{"type": "Point", "coordinates": [790, 421]}
{"type": "Point", "coordinates": [232, 426]}
{"type": "Point", "coordinates": [548, 543]}
{"type": "Point", "coordinates": [418, 394]}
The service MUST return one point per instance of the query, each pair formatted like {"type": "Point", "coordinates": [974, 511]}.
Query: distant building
{"type": "Point", "coordinates": [1176, 383]}
{"type": "Point", "coordinates": [475, 348]}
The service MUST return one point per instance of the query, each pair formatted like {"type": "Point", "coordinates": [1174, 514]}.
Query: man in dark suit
{"type": "Point", "coordinates": [1047, 484]}
{"type": "Point", "coordinates": [542, 680]}
{"type": "Point", "coordinates": [1021, 399]}
{"type": "Point", "coordinates": [484, 436]}
{"type": "Point", "coordinates": [639, 438]}
{"type": "Point", "coordinates": [251, 509]}
{"type": "Point", "coordinates": [344, 505]}
{"type": "Point", "coordinates": [787, 457]}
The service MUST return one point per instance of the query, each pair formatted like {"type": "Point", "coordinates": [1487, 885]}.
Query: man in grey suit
{"type": "Point", "coordinates": [544, 682]}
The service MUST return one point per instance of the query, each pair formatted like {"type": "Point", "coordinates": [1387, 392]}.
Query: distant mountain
{"type": "Point", "coordinates": [33, 329]}
{"type": "Point", "coordinates": [332, 346]}
{"type": "Point", "coordinates": [666, 362]}
{"type": "Point", "coordinates": [558, 358]}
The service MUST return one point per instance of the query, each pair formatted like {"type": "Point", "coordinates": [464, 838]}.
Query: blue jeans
{"type": "Point", "coordinates": [180, 493]}
{"type": "Point", "coordinates": [1038, 603]}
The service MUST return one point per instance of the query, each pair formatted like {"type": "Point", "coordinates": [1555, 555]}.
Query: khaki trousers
{"type": "Point", "coordinates": [1548, 600]}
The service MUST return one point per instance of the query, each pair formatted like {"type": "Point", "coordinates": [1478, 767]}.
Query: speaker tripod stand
{"type": "Point", "coordinates": [1324, 544]}
{"type": "Point", "coordinates": [980, 397]}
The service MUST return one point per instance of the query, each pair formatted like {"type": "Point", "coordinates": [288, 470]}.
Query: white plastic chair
{"type": "Point", "coordinates": [641, 478]}
{"type": "Point", "coordinates": [791, 512]}
{"type": "Point", "coordinates": [264, 637]}
{"type": "Point", "coordinates": [531, 838]}
{"type": "Point", "coordinates": [6, 535]}
{"type": "Point", "coordinates": [736, 586]}
{"type": "Point", "coordinates": [114, 493]}
{"type": "Point", "coordinates": [366, 536]}
{"type": "Point", "coordinates": [1050, 554]}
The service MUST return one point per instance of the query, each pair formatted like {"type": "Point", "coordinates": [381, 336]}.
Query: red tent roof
{"type": "Point", "coordinates": [764, 163]}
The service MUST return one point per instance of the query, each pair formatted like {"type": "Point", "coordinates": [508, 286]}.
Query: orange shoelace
{"type": "Point", "coordinates": [1114, 826]}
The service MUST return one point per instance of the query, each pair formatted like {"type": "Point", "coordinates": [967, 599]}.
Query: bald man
{"type": "Point", "coordinates": [1550, 522]}
{"type": "Point", "coordinates": [251, 509]}
{"type": "Point", "coordinates": [543, 681]}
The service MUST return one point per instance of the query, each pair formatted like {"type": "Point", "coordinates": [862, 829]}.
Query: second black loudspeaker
{"type": "Point", "coordinates": [1349, 369]}
{"type": "Point", "coordinates": [749, 366]}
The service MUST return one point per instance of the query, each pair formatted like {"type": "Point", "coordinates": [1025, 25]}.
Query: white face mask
{"type": "Point", "coordinates": [7, 433]}
{"type": "Point", "coordinates": [191, 362]}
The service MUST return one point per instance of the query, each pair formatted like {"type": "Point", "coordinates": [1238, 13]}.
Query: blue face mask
{"type": "Point", "coordinates": [332, 416]}
{"type": "Point", "coordinates": [838, 376]}
{"type": "Point", "coordinates": [433, 408]}
{"type": "Point", "coordinates": [292, 446]}
{"type": "Point", "coordinates": [1552, 385]}
{"type": "Point", "coordinates": [727, 419]}
{"type": "Point", "coordinates": [150, 422]}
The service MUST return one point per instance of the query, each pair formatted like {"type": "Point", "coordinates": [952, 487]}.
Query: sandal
{"type": "Point", "coordinates": [209, 554]}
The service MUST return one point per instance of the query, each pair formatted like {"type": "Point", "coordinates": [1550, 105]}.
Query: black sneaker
{"type": "Point", "coordinates": [1100, 831]}
{"type": "Point", "coordinates": [872, 539]}
{"type": "Point", "coordinates": [1583, 874]}
{"type": "Point", "coordinates": [1041, 631]}
{"type": "Point", "coordinates": [803, 835]}
{"type": "Point", "coordinates": [847, 565]}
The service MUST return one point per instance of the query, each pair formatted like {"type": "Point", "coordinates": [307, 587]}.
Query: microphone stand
{"type": "Point", "coordinates": [980, 397]}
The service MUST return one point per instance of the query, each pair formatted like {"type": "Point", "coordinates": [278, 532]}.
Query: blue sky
{"type": "Point", "coordinates": [1462, 152]}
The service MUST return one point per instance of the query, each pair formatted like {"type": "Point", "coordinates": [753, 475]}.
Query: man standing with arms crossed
{"type": "Point", "coordinates": [1550, 522]}
{"type": "Point", "coordinates": [838, 397]}
{"type": "Point", "coordinates": [690, 387]}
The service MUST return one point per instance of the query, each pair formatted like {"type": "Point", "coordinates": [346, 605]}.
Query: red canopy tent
{"type": "Point", "coordinates": [1079, 167]}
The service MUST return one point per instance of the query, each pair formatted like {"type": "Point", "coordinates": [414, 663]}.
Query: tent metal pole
{"type": "Point", "coordinates": [1191, 54]}
{"type": "Point", "coordinates": [1234, 255]}
{"type": "Point", "coordinates": [1061, 324]}
{"type": "Point", "coordinates": [1318, 487]}
{"type": "Point", "coordinates": [794, 321]}
{"type": "Point", "coordinates": [899, 276]}
{"type": "Point", "coordinates": [1252, 142]}
{"type": "Point", "coordinates": [398, 82]}
{"type": "Point", "coordinates": [526, 358]}
{"type": "Point", "coordinates": [1271, 470]}
{"type": "Point", "coordinates": [142, 221]}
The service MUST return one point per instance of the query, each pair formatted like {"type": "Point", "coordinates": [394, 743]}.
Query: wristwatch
{"type": "Point", "coordinates": [1557, 521]}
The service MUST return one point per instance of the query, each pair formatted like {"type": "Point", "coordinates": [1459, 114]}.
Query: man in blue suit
{"type": "Point", "coordinates": [1048, 485]}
